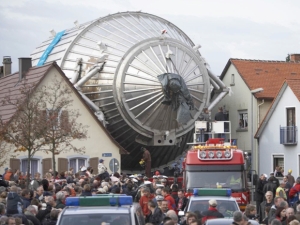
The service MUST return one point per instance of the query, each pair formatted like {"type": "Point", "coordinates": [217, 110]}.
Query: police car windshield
{"type": "Point", "coordinates": [226, 207]}
{"type": "Point", "coordinates": [215, 179]}
{"type": "Point", "coordinates": [95, 219]}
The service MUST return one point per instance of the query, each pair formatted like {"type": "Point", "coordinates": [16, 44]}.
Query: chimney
{"type": "Point", "coordinates": [24, 66]}
{"type": "Point", "coordinates": [294, 57]}
{"type": "Point", "coordinates": [6, 65]}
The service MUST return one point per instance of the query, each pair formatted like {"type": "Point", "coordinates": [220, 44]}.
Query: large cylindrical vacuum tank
{"type": "Point", "coordinates": [136, 48]}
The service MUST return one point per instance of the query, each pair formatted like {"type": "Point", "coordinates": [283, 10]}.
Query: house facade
{"type": "Point", "coordinates": [278, 134]}
{"type": "Point", "coordinates": [98, 145]}
{"type": "Point", "coordinates": [253, 86]}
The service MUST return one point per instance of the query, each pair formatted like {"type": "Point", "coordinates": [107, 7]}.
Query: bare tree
{"type": "Point", "coordinates": [25, 130]}
{"type": "Point", "coordinates": [61, 119]}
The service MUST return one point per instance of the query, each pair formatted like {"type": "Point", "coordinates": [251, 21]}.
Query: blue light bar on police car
{"type": "Point", "coordinates": [212, 192]}
{"type": "Point", "coordinates": [106, 200]}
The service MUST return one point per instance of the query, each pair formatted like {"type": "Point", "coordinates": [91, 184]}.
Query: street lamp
{"type": "Point", "coordinates": [254, 91]}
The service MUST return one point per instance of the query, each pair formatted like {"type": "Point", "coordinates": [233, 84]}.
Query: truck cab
{"type": "Point", "coordinates": [216, 163]}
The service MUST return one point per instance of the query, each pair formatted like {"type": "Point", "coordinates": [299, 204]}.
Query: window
{"type": "Point", "coordinates": [232, 80]}
{"type": "Point", "coordinates": [243, 119]}
{"type": "Point", "coordinates": [278, 160]}
{"type": "Point", "coordinates": [34, 166]}
{"type": "Point", "coordinates": [290, 117]}
{"type": "Point", "coordinates": [53, 116]}
{"type": "Point", "coordinates": [77, 163]}
{"type": "Point", "coordinates": [289, 134]}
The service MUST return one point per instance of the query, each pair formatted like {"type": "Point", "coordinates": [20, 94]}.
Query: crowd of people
{"type": "Point", "coordinates": [277, 202]}
{"type": "Point", "coordinates": [41, 200]}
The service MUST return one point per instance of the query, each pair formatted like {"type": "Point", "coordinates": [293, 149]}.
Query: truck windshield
{"type": "Point", "coordinates": [95, 219]}
{"type": "Point", "coordinates": [215, 179]}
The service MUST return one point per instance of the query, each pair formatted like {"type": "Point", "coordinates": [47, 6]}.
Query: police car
{"type": "Point", "coordinates": [199, 201]}
{"type": "Point", "coordinates": [101, 210]}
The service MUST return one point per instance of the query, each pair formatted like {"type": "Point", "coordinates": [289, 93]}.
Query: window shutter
{"type": "Point", "coordinates": [47, 164]}
{"type": "Point", "coordinates": [64, 120]}
{"type": "Point", "coordinates": [14, 164]}
{"type": "Point", "coordinates": [62, 165]}
{"type": "Point", "coordinates": [94, 164]}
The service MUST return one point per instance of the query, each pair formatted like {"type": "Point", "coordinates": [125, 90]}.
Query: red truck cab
{"type": "Point", "coordinates": [216, 165]}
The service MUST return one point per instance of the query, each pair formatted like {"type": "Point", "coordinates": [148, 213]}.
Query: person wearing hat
{"type": "Point", "coordinates": [147, 158]}
{"type": "Point", "coordinates": [290, 177]}
{"type": "Point", "coordinates": [140, 179]}
{"type": "Point", "coordinates": [212, 211]}
{"type": "Point", "coordinates": [159, 199]}
{"type": "Point", "coordinates": [102, 170]}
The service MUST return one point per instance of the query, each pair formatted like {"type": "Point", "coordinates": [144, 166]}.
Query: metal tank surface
{"type": "Point", "coordinates": [144, 78]}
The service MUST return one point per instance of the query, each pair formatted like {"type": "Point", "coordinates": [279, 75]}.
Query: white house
{"type": "Point", "coordinates": [99, 144]}
{"type": "Point", "coordinates": [278, 134]}
{"type": "Point", "coordinates": [254, 84]}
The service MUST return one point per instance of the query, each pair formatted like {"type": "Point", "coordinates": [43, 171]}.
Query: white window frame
{"type": "Point", "coordinates": [38, 158]}
{"type": "Point", "coordinates": [279, 156]}
{"type": "Point", "coordinates": [232, 80]}
{"type": "Point", "coordinates": [84, 157]}
{"type": "Point", "coordinates": [241, 117]}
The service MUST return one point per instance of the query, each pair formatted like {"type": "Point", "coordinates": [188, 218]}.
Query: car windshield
{"type": "Point", "coordinates": [95, 219]}
{"type": "Point", "coordinates": [215, 179]}
{"type": "Point", "coordinates": [226, 207]}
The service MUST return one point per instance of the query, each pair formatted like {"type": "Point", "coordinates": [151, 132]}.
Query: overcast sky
{"type": "Point", "coordinates": [265, 30]}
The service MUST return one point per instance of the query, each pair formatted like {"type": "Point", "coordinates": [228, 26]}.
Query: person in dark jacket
{"type": "Point", "coordinates": [259, 193]}
{"type": "Point", "coordinates": [25, 196]}
{"type": "Point", "coordinates": [60, 199]}
{"type": "Point", "coordinates": [270, 186]}
{"type": "Point", "coordinates": [212, 212]}
{"type": "Point", "coordinates": [45, 213]}
{"type": "Point", "coordinates": [268, 203]}
{"type": "Point", "coordinates": [53, 218]}
{"type": "Point", "coordinates": [86, 190]}
{"type": "Point", "coordinates": [156, 216]}
{"type": "Point", "coordinates": [181, 201]}
{"type": "Point", "coordinates": [3, 182]}
{"type": "Point", "coordinates": [14, 202]}
{"type": "Point", "coordinates": [30, 215]}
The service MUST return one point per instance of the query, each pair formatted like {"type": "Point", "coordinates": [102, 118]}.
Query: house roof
{"type": "Point", "coordinates": [268, 75]}
{"type": "Point", "coordinates": [294, 84]}
{"type": "Point", "coordinates": [10, 85]}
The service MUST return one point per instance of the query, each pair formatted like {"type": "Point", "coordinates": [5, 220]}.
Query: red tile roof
{"type": "Point", "coordinates": [10, 85]}
{"type": "Point", "coordinates": [268, 75]}
{"type": "Point", "coordinates": [295, 86]}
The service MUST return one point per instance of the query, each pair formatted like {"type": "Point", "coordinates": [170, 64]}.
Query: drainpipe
{"type": "Point", "coordinates": [258, 155]}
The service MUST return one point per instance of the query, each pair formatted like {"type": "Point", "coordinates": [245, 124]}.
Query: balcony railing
{"type": "Point", "coordinates": [289, 135]}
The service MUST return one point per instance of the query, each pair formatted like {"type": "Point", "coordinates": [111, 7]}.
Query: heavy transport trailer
{"type": "Point", "coordinates": [121, 64]}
